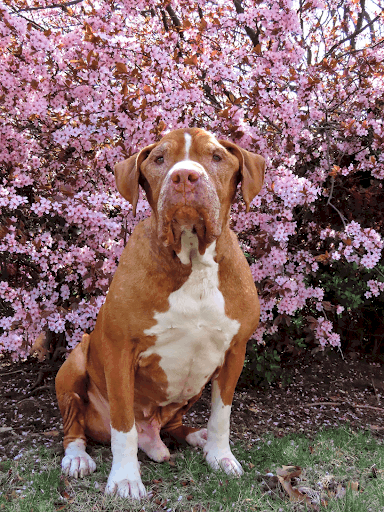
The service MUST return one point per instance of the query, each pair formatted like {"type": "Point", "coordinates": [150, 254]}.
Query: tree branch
{"type": "Point", "coordinates": [164, 20]}
{"type": "Point", "coordinates": [253, 36]}
{"type": "Point", "coordinates": [358, 24]}
{"type": "Point", "coordinates": [352, 36]}
{"type": "Point", "coordinates": [53, 6]}
{"type": "Point", "coordinates": [173, 15]}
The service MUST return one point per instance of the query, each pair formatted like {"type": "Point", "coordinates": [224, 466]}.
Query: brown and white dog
{"type": "Point", "coordinates": [178, 314]}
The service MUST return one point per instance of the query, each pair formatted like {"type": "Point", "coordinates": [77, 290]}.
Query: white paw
{"type": "Point", "coordinates": [198, 438]}
{"type": "Point", "coordinates": [154, 447]}
{"type": "Point", "coordinates": [225, 460]}
{"type": "Point", "coordinates": [76, 462]}
{"type": "Point", "coordinates": [130, 487]}
{"type": "Point", "coordinates": [158, 453]}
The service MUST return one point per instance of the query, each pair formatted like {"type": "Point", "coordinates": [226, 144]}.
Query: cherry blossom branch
{"type": "Point", "coordinates": [173, 16]}
{"type": "Point", "coordinates": [356, 33]}
{"type": "Point", "coordinates": [253, 36]}
{"type": "Point", "coordinates": [332, 182]}
{"type": "Point", "coordinates": [371, 47]}
{"type": "Point", "coordinates": [53, 6]}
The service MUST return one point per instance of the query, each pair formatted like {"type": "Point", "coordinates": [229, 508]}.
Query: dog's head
{"type": "Point", "coordinates": [190, 179]}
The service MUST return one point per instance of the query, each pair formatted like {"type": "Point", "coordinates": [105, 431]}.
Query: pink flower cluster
{"type": "Point", "coordinates": [83, 88]}
{"type": "Point", "coordinates": [358, 245]}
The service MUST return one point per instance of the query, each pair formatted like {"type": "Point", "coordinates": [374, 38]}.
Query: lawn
{"type": "Point", "coordinates": [341, 470]}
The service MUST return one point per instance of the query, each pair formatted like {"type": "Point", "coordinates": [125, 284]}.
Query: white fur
{"type": "Point", "coordinates": [194, 334]}
{"type": "Point", "coordinates": [124, 478]}
{"type": "Point", "coordinates": [188, 142]}
{"type": "Point", "coordinates": [217, 451]}
{"type": "Point", "coordinates": [76, 461]}
{"type": "Point", "coordinates": [198, 438]}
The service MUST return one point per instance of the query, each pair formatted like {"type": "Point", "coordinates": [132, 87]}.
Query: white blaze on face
{"type": "Point", "coordinates": [124, 478]}
{"type": "Point", "coordinates": [186, 163]}
{"type": "Point", "coordinates": [188, 142]}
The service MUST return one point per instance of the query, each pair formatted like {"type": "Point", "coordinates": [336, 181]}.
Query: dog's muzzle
{"type": "Point", "coordinates": [188, 200]}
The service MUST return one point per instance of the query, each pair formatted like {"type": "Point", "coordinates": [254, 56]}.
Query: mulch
{"type": "Point", "coordinates": [316, 391]}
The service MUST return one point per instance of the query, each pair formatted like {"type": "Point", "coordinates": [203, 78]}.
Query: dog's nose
{"type": "Point", "coordinates": [184, 178]}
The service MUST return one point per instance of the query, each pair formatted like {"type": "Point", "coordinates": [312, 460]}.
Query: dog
{"type": "Point", "coordinates": [178, 314]}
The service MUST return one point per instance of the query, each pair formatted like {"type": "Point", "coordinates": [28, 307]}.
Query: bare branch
{"type": "Point", "coordinates": [362, 49]}
{"type": "Point", "coordinates": [356, 33]}
{"type": "Point", "coordinates": [173, 15]}
{"type": "Point", "coordinates": [33, 23]}
{"type": "Point", "coordinates": [53, 6]}
{"type": "Point", "coordinates": [164, 20]}
{"type": "Point", "coordinates": [211, 97]}
{"type": "Point", "coordinates": [358, 24]}
{"type": "Point", "coordinates": [253, 36]}
{"type": "Point", "coordinates": [373, 35]}
{"type": "Point", "coordinates": [332, 182]}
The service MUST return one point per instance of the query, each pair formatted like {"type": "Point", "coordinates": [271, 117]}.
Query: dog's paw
{"type": "Point", "coordinates": [131, 487]}
{"type": "Point", "coordinates": [76, 462]}
{"type": "Point", "coordinates": [225, 460]}
{"type": "Point", "coordinates": [158, 452]}
{"type": "Point", "coordinates": [198, 438]}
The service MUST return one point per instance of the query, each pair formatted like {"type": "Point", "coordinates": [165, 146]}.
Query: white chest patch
{"type": "Point", "coordinates": [194, 334]}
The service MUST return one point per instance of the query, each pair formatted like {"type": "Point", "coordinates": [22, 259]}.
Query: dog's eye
{"type": "Point", "coordinates": [159, 160]}
{"type": "Point", "coordinates": [216, 158]}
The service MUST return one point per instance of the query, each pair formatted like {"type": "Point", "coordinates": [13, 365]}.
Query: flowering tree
{"type": "Point", "coordinates": [85, 84]}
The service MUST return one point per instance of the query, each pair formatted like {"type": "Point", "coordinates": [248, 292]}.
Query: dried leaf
{"type": "Point", "coordinates": [353, 485]}
{"type": "Point", "coordinates": [340, 492]}
{"type": "Point", "coordinates": [288, 472]}
{"type": "Point", "coordinates": [121, 67]}
{"type": "Point", "coordinates": [40, 347]}
{"type": "Point", "coordinates": [284, 475]}
{"type": "Point", "coordinates": [191, 61]}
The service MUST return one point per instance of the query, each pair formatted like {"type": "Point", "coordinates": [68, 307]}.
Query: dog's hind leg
{"type": "Point", "coordinates": [71, 390]}
{"type": "Point", "coordinates": [181, 434]}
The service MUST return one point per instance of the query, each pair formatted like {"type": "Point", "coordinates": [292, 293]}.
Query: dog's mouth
{"type": "Point", "coordinates": [197, 222]}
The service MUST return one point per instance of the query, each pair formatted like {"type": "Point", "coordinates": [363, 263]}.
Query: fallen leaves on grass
{"type": "Point", "coordinates": [297, 494]}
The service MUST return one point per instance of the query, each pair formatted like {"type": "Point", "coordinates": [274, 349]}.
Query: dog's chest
{"type": "Point", "coordinates": [194, 334]}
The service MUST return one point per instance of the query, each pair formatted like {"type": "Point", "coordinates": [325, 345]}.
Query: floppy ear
{"type": "Point", "coordinates": [252, 168]}
{"type": "Point", "coordinates": [127, 174]}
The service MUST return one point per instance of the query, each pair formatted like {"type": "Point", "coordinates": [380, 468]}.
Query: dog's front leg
{"type": "Point", "coordinates": [217, 451]}
{"type": "Point", "coordinates": [124, 478]}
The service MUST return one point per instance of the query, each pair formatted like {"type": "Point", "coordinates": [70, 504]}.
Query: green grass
{"type": "Point", "coordinates": [335, 460]}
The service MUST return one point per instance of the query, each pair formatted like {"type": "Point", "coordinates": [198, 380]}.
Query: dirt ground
{"type": "Point", "coordinates": [322, 391]}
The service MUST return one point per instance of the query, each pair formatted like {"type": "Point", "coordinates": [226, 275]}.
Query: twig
{"type": "Point", "coordinates": [53, 6]}
{"type": "Point", "coordinates": [377, 396]}
{"type": "Point", "coordinates": [352, 36]}
{"type": "Point", "coordinates": [11, 373]}
{"type": "Point", "coordinates": [315, 404]}
{"type": "Point", "coordinates": [369, 407]}
{"type": "Point", "coordinates": [41, 388]}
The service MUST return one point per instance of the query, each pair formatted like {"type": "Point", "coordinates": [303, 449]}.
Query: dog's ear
{"type": "Point", "coordinates": [127, 174]}
{"type": "Point", "coordinates": [252, 168]}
